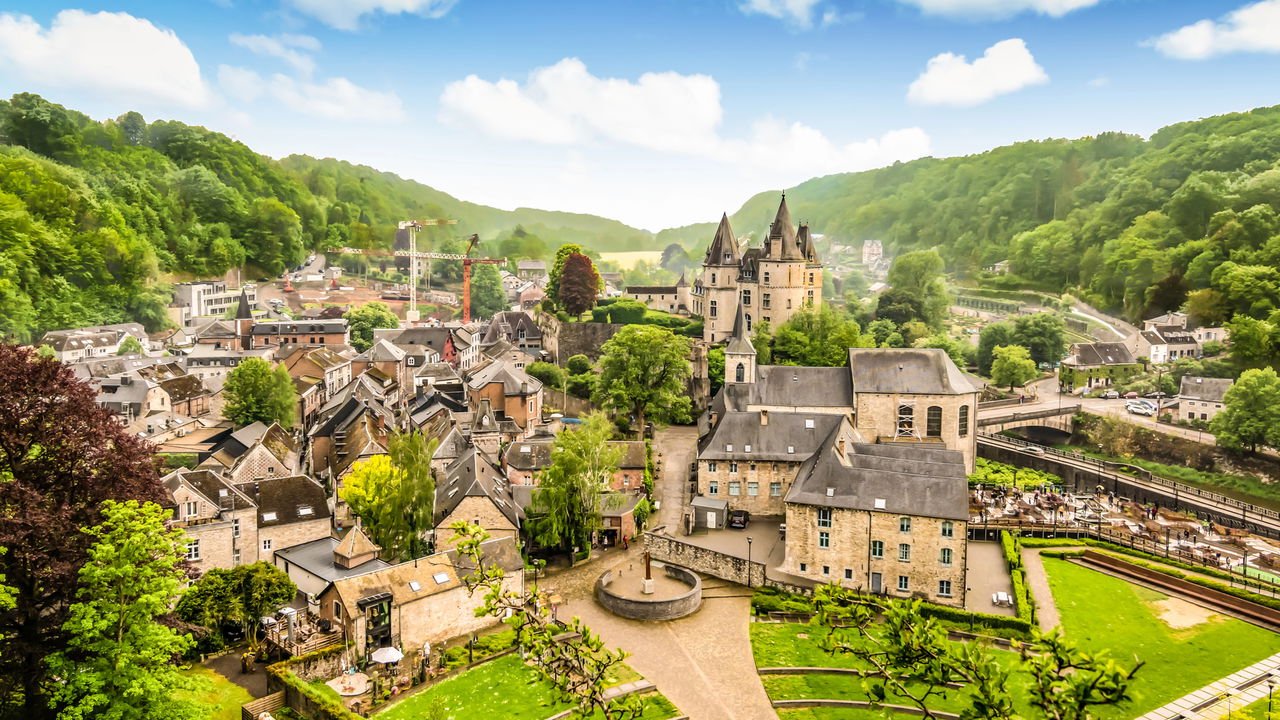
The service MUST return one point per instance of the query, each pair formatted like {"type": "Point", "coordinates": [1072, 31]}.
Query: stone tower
{"type": "Point", "coordinates": [720, 270]}
{"type": "Point", "coordinates": [739, 354]}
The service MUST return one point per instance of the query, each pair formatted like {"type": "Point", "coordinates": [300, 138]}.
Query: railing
{"type": "Point", "coordinates": [1030, 415]}
{"type": "Point", "coordinates": [1136, 473]}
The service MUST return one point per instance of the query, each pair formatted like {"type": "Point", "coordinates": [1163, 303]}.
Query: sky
{"type": "Point", "coordinates": [658, 113]}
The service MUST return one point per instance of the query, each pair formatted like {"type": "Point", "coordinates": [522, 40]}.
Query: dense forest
{"type": "Point", "coordinates": [97, 218]}
{"type": "Point", "coordinates": [1138, 226]}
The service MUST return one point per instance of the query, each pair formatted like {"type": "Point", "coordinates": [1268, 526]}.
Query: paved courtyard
{"type": "Point", "coordinates": [987, 576]}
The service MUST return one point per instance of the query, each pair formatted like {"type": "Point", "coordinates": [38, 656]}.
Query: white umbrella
{"type": "Point", "coordinates": [386, 655]}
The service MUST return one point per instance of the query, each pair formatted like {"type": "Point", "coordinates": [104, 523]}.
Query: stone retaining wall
{"type": "Point", "coordinates": [668, 609]}
{"type": "Point", "coordinates": [704, 560]}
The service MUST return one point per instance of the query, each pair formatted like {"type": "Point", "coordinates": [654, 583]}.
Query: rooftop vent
{"type": "Point", "coordinates": [440, 578]}
{"type": "Point", "coordinates": [831, 492]}
{"type": "Point", "coordinates": [414, 585]}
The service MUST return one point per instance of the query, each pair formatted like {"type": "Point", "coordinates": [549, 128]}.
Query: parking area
{"type": "Point", "coordinates": [765, 544]}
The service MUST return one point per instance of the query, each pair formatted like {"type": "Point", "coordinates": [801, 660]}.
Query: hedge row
{"type": "Point", "coordinates": [327, 703]}
{"type": "Point", "coordinates": [485, 646]}
{"type": "Point", "coordinates": [770, 599]}
{"type": "Point", "coordinates": [1133, 552]}
{"type": "Point", "coordinates": [1025, 603]}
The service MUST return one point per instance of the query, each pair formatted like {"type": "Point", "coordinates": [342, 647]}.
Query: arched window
{"type": "Point", "coordinates": [964, 421]}
{"type": "Point", "coordinates": [740, 374]}
{"type": "Point", "coordinates": [906, 421]}
{"type": "Point", "coordinates": [933, 421]}
{"type": "Point", "coordinates": [748, 318]}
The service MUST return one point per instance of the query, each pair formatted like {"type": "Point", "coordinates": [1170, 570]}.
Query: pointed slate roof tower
{"type": "Point", "coordinates": [781, 243]}
{"type": "Point", "coordinates": [242, 309]}
{"type": "Point", "coordinates": [739, 354]}
{"type": "Point", "coordinates": [244, 321]}
{"type": "Point", "coordinates": [739, 342]}
{"type": "Point", "coordinates": [807, 248]}
{"type": "Point", "coordinates": [724, 246]}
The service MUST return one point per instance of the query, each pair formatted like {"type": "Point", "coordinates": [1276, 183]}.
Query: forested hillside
{"type": "Point", "coordinates": [1138, 226]}
{"type": "Point", "coordinates": [96, 216]}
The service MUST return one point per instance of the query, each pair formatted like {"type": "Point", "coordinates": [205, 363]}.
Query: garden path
{"type": "Point", "coordinates": [1220, 697]}
{"type": "Point", "coordinates": [1038, 583]}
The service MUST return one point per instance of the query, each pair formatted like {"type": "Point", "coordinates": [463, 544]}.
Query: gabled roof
{"type": "Point", "coordinates": [789, 386]}
{"type": "Point", "coordinates": [788, 437]}
{"type": "Point", "coordinates": [285, 500]}
{"type": "Point", "coordinates": [724, 246]}
{"type": "Point", "coordinates": [506, 325]}
{"type": "Point", "coordinates": [927, 371]}
{"type": "Point", "coordinates": [210, 485]}
{"type": "Point", "coordinates": [1203, 388]}
{"type": "Point", "coordinates": [354, 544]}
{"type": "Point", "coordinates": [473, 475]}
{"type": "Point", "coordinates": [781, 243]}
{"type": "Point", "coordinates": [739, 343]}
{"type": "Point", "coordinates": [1100, 353]}
{"type": "Point", "coordinates": [531, 455]}
{"type": "Point", "coordinates": [807, 247]}
{"type": "Point", "coordinates": [632, 457]}
{"type": "Point", "coordinates": [515, 381]}
{"type": "Point", "coordinates": [381, 351]}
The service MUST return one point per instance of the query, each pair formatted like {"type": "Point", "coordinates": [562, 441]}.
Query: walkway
{"type": "Point", "coordinates": [987, 576]}
{"type": "Point", "coordinates": [1219, 698]}
{"type": "Point", "coordinates": [1038, 585]}
{"type": "Point", "coordinates": [702, 663]}
{"type": "Point", "coordinates": [673, 447]}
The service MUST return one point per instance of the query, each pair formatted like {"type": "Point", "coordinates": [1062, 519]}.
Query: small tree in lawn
{"type": "Point", "coordinates": [553, 376]}
{"type": "Point", "coordinates": [244, 594]}
{"type": "Point", "coordinates": [394, 495]}
{"type": "Point", "coordinates": [256, 392]}
{"type": "Point", "coordinates": [1251, 418]}
{"type": "Point", "coordinates": [644, 373]}
{"type": "Point", "coordinates": [361, 321]}
{"type": "Point", "coordinates": [579, 283]}
{"type": "Point", "coordinates": [577, 667]}
{"type": "Point", "coordinates": [567, 505]}
{"type": "Point", "coordinates": [902, 654]}
{"type": "Point", "coordinates": [1012, 366]}
{"type": "Point", "coordinates": [118, 661]}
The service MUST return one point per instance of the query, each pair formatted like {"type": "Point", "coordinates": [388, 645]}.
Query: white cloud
{"type": "Point", "coordinates": [114, 54]}
{"type": "Point", "coordinates": [1100, 81]}
{"type": "Point", "coordinates": [336, 98]}
{"type": "Point", "coordinates": [292, 49]}
{"type": "Point", "coordinates": [998, 8]}
{"type": "Point", "coordinates": [1252, 28]}
{"type": "Point", "coordinates": [794, 12]}
{"type": "Point", "coordinates": [565, 104]}
{"type": "Point", "coordinates": [346, 14]}
{"type": "Point", "coordinates": [950, 80]}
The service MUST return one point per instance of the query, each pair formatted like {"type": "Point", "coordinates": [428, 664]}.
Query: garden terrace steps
{"type": "Point", "coordinates": [1247, 685]}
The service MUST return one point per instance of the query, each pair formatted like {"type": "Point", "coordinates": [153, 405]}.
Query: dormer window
{"type": "Point", "coordinates": [305, 510]}
{"type": "Point", "coordinates": [268, 516]}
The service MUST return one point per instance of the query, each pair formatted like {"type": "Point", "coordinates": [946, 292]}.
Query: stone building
{"type": "Point", "coordinates": [1201, 398]}
{"type": "Point", "coordinates": [220, 520]}
{"type": "Point", "coordinates": [771, 282]}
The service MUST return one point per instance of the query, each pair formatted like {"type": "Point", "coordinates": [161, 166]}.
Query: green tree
{"type": "Point", "coordinates": [118, 663]}
{"type": "Point", "coordinates": [919, 275]}
{"type": "Point", "coordinates": [130, 346]}
{"type": "Point", "coordinates": [958, 350]}
{"type": "Point", "coordinates": [567, 655]}
{"type": "Point", "coordinates": [243, 594]}
{"type": "Point", "coordinates": [898, 651]}
{"type": "Point", "coordinates": [256, 392]}
{"type": "Point", "coordinates": [557, 269]}
{"type": "Point", "coordinates": [553, 376]}
{"type": "Point", "coordinates": [578, 364]}
{"type": "Point", "coordinates": [819, 337]}
{"type": "Point", "coordinates": [644, 372]}
{"type": "Point", "coordinates": [1012, 366]}
{"type": "Point", "coordinates": [567, 506]}
{"type": "Point", "coordinates": [1251, 418]}
{"type": "Point", "coordinates": [394, 494]}
{"type": "Point", "coordinates": [1043, 335]}
{"type": "Point", "coordinates": [1253, 342]}
{"type": "Point", "coordinates": [363, 320]}
{"type": "Point", "coordinates": [487, 296]}
{"type": "Point", "coordinates": [992, 336]}
{"type": "Point", "coordinates": [579, 283]}
{"type": "Point", "coordinates": [715, 367]}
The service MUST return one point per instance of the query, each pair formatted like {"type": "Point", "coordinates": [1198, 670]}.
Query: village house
{"type": "Point", "coordinates": [219, 519]}
{"type": "Point", "coordinates": [312, 566]}
{"type": "Point", "coordinates": [512, 392]}
{"type": "Point", "coordinates": [516, 328]}
{"type": "Point", "coordinates": [1097, 364]}
{"type": "Point", "coordinates": [473, 489]}
{"type": "Point", "coordinates": [1201, 398]}
{"type": "Point", "coordinates": [79, 344]}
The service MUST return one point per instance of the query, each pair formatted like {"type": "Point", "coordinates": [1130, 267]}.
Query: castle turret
{"type": "Point", "coordinates": [740, 354]}
{"type": "Point", "coordinates": [719, 298]}
{"type": "Point", "coordinates": [244, 321]}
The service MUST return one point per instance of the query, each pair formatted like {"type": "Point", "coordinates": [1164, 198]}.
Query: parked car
{"type": "Point", "coordinates": [1110, 395]}
{"type": "Point", "coordinates": [1137, 409]}
{"type": "Point", "coordinates": [1033, 450]}
{"type": "Point", "coordinates": [1131, 394]}
{"type": "Point", "coordinates": [738, 519]}
{"type": "Point", "coordinates": [1156, 394]}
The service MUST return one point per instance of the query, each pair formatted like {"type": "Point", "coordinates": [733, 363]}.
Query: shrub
{"type": "Point", "coordinates": [581, 385]}
{"type": "Point", "coordinates": [578, 364]}
{"type": "Point", "coordinates": [627, 312]}
{"type": "Point", "coordinates": [563, 316]}
{"type": "Point", "coordinates": [550, 375]}
{"type": "Point", "coordinates": [599, 314]}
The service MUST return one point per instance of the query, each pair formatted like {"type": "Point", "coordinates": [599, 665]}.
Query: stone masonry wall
{"type": "Point", "coordinates": [703, 560]}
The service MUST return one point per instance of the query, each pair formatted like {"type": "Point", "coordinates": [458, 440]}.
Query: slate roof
{"type": "Point", "coordinates": [506, 326]}
{"type": "Point", "coordinates": [651, 289]}
{"type": "Point", "coordinates": [739, 342]}
{"type": "Point", "coordinates": [473, 475]}
{"type": "Point", "coordinates": [724, 246]}
{"type": "Point", "coordinates": [381, 351]}
{"type": "Point", "coordinates": [788, 437]}
{"type": "Point", "coordinates": [218, 492]}
{"type": "Point", "coordinates": [781, 243]}
{"type": "Point", "coordinates": [1203, 388]}
{"type": "Point", "coordinates": [515, 381]}
{"type": "Point", "coordinates": [288, 498]}
{"type": "Point", "coordinates": [909, 479]}
{"type": "Point", "coordinates": [316, 557]}
{"type": "Point", "coordinates": [184, 388]}
{"type": "Point", "coordinates": [301, 327]}
{"type": "Point", "coordinates": [632, 454]}
{"type": "Point", "coordinates": [807, 247]}
{"type": "Point", "coordinates": [923, 371]}
{"type": "Point", "coordinates": [1101, 353]}
{"type": "Point", "coordinates": [531, 455]}
{"type": "Point", "coordinates": [789, 386]}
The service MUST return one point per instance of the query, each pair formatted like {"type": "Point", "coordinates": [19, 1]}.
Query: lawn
{"type": "Point", "coordinates": [1105, 612]}
{"type": "Point", "coordinates": [224, 695]}
{"type": "Point", "coordinates": [504, 688]}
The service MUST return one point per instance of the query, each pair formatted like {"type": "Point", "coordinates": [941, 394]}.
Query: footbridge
{"type": "Point", "coordinates": [1058, 418]}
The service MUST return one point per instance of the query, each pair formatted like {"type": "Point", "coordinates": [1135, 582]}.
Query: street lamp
{"type": "Point", "coordinates": [749, 561]}
{"type": "Point", "coordinates": [471, 649]}
{"type": "Point", "coordinates": [1271, 686]}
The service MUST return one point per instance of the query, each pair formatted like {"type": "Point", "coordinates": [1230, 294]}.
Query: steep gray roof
{"type": "Point", "coordinates": [738, 341]}
{"type": "Point", "coordinates": [472, 475]}
{"type": "Point", "coordinates": [898, 479]}
{"type": "Point", "coordinates": [1203, 388]}
{"type": "Point", "coordinates": [285, 500]}
{"type": "Point", "coordinates": [724, 246]}
{"type": "Point", "coordinates": [807, 248]}
{"type": "Point", "coordinates": [788, 437]}
{"type": "Point", "coordinates": [1102, 353]}
{"type": "Point", "coordinates": [782, 243]}
{"type": "Point", "coordinates": [791, 386]}
{"type": "Point", "coordinates": [922, 371]}
{"type": "Point", "coordinates": [528, 454]}
{"type": "Point", "coordinates": [515, 381]}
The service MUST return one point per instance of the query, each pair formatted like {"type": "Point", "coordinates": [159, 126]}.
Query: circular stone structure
{"type": "Point", "coordinates": [676, 592]}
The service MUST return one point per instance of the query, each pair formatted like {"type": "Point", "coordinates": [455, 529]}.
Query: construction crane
{"type": "Point", "coordinates": [413, 226]}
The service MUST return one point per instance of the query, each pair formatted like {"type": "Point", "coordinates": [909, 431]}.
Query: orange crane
{"type": "Point", "coordinates": [411, 315]}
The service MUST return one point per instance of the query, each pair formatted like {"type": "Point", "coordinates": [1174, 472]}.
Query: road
{"type": "Point", "coordinates": [674, 447]}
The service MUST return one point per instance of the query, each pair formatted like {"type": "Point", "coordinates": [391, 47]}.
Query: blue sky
{"type": "Point", "coordinates": [656, 113]}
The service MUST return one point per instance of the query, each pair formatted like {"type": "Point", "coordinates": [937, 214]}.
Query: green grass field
{"type": "Point", "coordinates": [504, 688]}
{"type": "Point", "coordinates": [1100, 611]}
{"type": "Point", "coordinates": [225, 696]}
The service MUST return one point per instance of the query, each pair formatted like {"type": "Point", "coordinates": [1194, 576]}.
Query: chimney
{"type": "Point", "coordinates": [524, 388]}
{"type": "Point", "coordinates": [764, 417]}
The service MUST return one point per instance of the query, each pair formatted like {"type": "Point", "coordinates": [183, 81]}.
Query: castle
{"type": "Point", "coordinates": [772, 282]}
